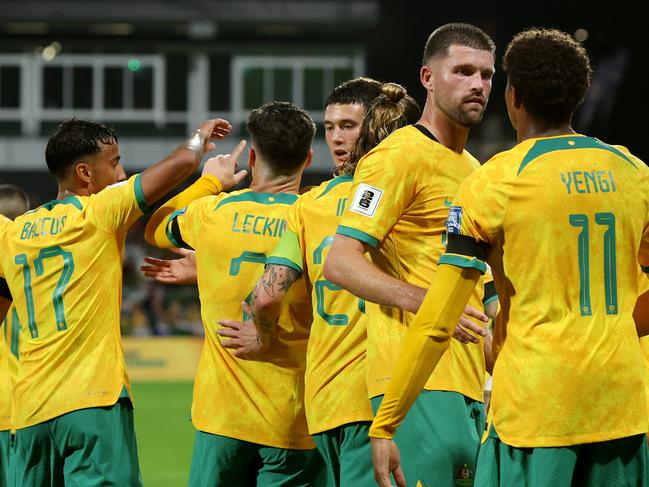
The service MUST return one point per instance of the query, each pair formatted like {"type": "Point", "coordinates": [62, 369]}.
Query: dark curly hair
{"type": "Point", "coordinates": [550, 72]}
{"type": "Point", "coordinates": [391, 110]}
{"type": "Point", "coordinates": [282, 134]}
{"type": "Point", "coordinates": [72, 141]}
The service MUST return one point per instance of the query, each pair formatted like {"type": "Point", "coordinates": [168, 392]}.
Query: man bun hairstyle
{"type": "Point", "coordinates": [391, 110]}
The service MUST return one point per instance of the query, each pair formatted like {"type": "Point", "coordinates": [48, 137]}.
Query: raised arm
{"type": "Point", "coordinates": [162, 177]}
{"type": "Point", "coordinates": [219, 173]}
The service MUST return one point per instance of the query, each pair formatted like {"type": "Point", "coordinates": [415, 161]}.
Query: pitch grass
{"type": "Point", "coordinates": [164, 433]}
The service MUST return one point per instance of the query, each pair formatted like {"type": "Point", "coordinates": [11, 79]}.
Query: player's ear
{"type": "Point", "coordinates": [252, 157]}
{"type": "Point", "coordinates": [309, 158]}
{"type": "Point", "coordinates": [515, 98]}
{"type": "Point", "coordinates": [426, 77]}
{"type": "Point", "coordinates": [82, 172]}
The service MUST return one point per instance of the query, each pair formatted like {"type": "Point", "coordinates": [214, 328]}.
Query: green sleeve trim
{"type": "Point", "coordinates": [645, 268]}
{"type": "Point", "coordinates": [139, 195]}
{"type": "Point", "coordinates": [358, 235]}
{"type": "Point", "coordinates": [168, 231]}
{"type": "Point", "coordinates": [464, 262]}
{"type": "Point", "coordinates": [490, 299]}
{"type": "Point", "coordinates": [273, 260]}
{"type": "Point", "coordinates": [288, 252]}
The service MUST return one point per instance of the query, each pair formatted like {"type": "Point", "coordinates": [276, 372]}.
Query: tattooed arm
{"type": "Point", "coordinates": [249, 338]}
{"type": "Point", "coordinates": [267, 299]}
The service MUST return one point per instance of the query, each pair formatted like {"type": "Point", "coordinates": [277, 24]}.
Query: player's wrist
{"type": "Point", "coordinates": [196, 144]}
{"type": "Point", "coordinates": [210, 183]}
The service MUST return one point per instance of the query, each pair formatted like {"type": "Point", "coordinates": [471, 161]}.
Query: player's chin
{"type": "Point", "coordinates": [472, 117]}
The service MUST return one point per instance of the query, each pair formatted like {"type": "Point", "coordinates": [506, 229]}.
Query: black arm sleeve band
{"type": "Point", "coordinates": [175, 231]}
{"type": "Point", "coordinates": [463, 245]}
{"type": "Point", "coordinates": [4, 290]}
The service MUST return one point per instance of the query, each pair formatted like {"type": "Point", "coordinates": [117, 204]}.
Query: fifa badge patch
{"type": "Point", "coordinates": [454, 220]}
{"type": "Point", "coordinates": [366, 199]}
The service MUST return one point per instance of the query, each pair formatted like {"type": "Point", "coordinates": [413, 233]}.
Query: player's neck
{"type": "Point", "coordinates": [66, 188]}
{"type": "Point", "coordinates": [447, 132]}
{"type": "Point", "coordinates": [530, 128]}
{"type": "Point", "coordinates": [277, 184]}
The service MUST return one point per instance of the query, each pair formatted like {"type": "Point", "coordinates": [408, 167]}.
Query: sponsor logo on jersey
{"type": "Point", "coordinates": [454, 220]}
{"type": "Point", "coordinates": [366, 199]}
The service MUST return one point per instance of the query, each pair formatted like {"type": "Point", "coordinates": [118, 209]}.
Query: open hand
{"type": "Point", "coordinates": [172, 271]}
{"type": "Point", "coordinates": [465, 326]}
{"type": "Point", "coordinates": [387, 463]}
{"type": "Point", "coordinates": [242, 336]}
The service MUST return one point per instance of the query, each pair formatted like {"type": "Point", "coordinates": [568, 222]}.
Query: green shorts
{"type": "Point", "coordinates": [84, 448]}
{"type": "Point", "coordinates": [439, 439]}
{"type": "Point", "coordinates": [222, 461]}
{"type": "Point", "coordinates": [619, 463]}
{"type": "Point", "coordinates": [347, 454]}
{"type": "Point", "coordinates": [5, 447]}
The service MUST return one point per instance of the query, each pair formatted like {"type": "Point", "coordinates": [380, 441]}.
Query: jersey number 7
{"type": "Point", "coordinates": [57, 296]}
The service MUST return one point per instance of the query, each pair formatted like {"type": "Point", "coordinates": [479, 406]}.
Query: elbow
{"type": "Point", "coordinates": [331, 271]}
{"type": "Point", "coordinates": [149, 233]}
{"type": "Point", "coordinates": [265, 304]}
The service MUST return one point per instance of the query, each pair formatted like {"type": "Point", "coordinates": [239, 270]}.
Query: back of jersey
{"type": "Point", "coordinates": [63, 264]}
{"type": "Point", "coordinates": [336, 389]}
{"type": "Point", "coordinates": [260, 401]}
{"type": "Point", "coordinates": [564, 218]}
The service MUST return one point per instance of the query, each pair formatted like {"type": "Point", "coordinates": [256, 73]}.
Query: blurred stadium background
{"type": "Point", "coordinates": [156, 68]}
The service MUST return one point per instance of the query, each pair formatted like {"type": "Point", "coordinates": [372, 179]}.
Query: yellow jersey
{"type": "Point", "coordinates": [9, 353]}
{"type": "Point", "coordinates": [63, 264]}
{"type": "Point", "coordinates": [335, 379]}
{"type": "Point", "coordinates": [260, 401]}
{"type": "Point", "coordinates": [399, 202]}
{"type": "Point", "coordinates": [578, 207]}
{"type": "Point", "coordinates": [644, 341]}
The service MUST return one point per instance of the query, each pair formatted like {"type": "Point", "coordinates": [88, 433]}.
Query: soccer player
{"type": "Point", "coordinates": [568, 401]}
{"type": "Point", "coordinates": [337, 407]}
{"type": "Point", "coordinates": [63, 265]}
{"type": "Point", "coordinates": [398, 204]}
{"type": "Point", "coordinates": [13, 202]}
{"type": "Point", "coordinates": [249, 415]}
{"type": "Point", "coordinates": [345, 108]}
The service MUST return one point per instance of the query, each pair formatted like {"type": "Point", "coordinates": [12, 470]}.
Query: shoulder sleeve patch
{"type": "Point", "coordinates": [454, 220]}
{"type": "Point", "coordinates": [366, 200]}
